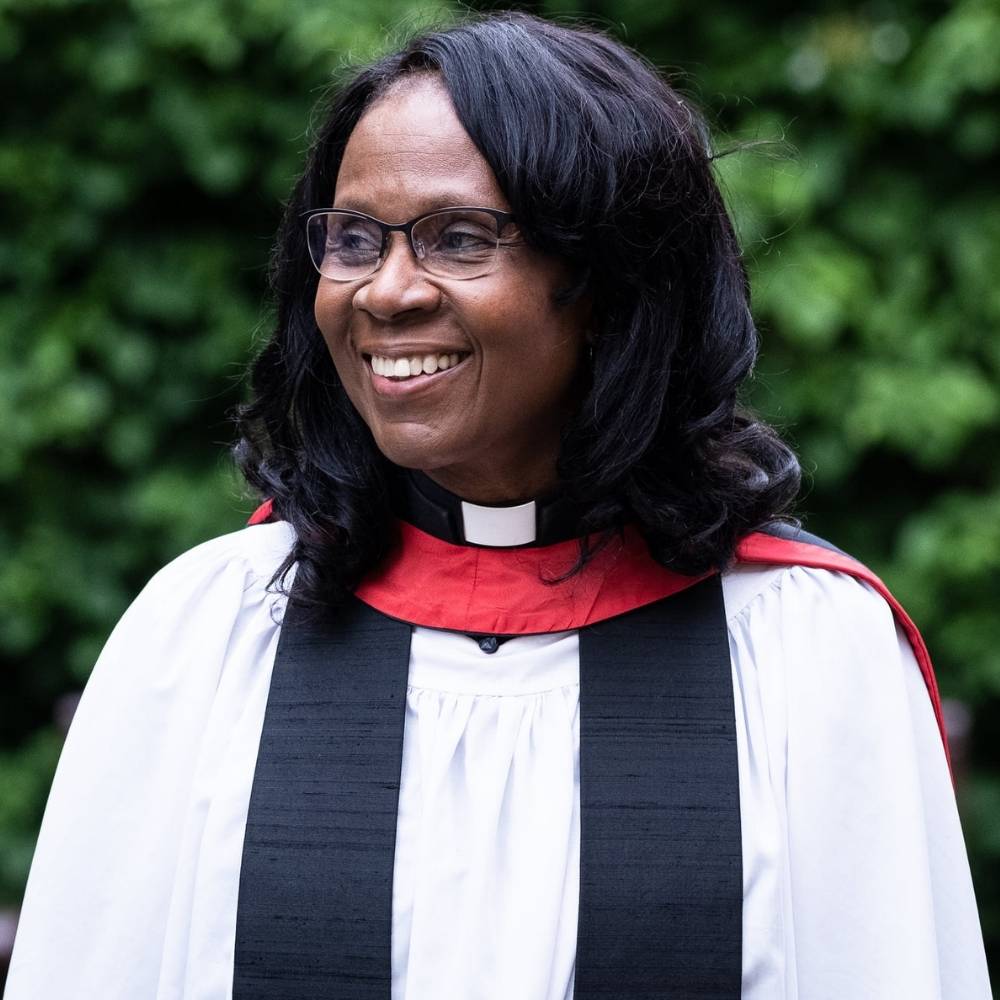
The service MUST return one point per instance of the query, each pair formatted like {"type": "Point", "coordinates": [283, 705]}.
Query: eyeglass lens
{"type": "Point", "coordinates": [458, 244]}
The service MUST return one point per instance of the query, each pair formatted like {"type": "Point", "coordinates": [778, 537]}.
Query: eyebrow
{"type": "Point", "coordinates": [440, 199]}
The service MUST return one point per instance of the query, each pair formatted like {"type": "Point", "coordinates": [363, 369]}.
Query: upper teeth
{"type": "Point", "coordinates": [426, 364]}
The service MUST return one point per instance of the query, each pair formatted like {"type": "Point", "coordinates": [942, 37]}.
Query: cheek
{"type": "Point", "coordinates": [332, 310]}
{"type": "Point", "coordinates": [537, 371]}
{"type": "Point", "coordinates": [557, 333]}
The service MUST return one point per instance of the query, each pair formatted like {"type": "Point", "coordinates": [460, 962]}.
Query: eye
{"type": "Point", "coordinates": [353, 240]}
{"type": "Point", "coordinates": [462, 236]}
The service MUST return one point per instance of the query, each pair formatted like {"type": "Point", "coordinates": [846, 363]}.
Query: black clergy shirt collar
{"type": "Point", "coordinates": [439, 512]}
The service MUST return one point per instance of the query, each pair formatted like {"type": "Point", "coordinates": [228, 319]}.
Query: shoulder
{"type": "Point", "coordinates": [218, 580]}
{"type": "Point", "coordinates": [786, 569]}
{"type": "Point", "coordinates": [817, 651]}
{"type": "Point", "coordinates": [763, 593]}
{"type": "Point", "coordinates": [205, 626]}
{"type": "Point", "coordinates": [815, 627]}
{"type": "Point", "coordinates": [200, 606]}
{"type": "Point", "coordinates": [806, 619]}
{"type": "Point", "coordinates": [251, 555]}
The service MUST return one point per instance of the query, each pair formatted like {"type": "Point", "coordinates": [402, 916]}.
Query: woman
{"type": "Point", "coordinates": [515, 734]}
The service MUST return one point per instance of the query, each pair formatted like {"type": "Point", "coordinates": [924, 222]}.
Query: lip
{"type": "Point", "coordinates": [390, 389]}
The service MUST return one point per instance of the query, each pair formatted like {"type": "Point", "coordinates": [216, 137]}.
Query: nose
{"type": "Point", "coordinates": [399, 286]}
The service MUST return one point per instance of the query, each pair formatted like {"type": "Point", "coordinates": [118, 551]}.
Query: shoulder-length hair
{"type": "Point", "coordinates": [606, 166]}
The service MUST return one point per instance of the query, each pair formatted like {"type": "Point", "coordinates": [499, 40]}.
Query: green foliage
{"type": "Point", "coordinates": [25, 777]}
{"type": "Point", "coordinates": [146, 148]}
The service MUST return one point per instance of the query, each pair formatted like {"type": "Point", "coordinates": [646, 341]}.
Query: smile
{"type": "Point", "coordinates": [402, 369]}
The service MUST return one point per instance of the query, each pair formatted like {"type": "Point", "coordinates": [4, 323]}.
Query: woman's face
{"type": "Point", "coordinates": [487, 428]}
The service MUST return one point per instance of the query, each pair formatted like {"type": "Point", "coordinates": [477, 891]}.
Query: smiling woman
{"type": "Point", "coordinates": [521, 684]}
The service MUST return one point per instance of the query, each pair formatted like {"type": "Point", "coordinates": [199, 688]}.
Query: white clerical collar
{"type": "Point", "coordinates": [435, 510]}
{"type": "Point", "coordinates": [499, 527]}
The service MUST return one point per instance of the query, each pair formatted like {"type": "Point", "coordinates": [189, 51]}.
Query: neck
{"type": "Point", "coordinates": [495, 487]}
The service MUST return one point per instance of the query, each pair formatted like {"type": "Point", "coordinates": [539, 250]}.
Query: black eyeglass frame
{"type": "Point", "coordinates": [502, 219]}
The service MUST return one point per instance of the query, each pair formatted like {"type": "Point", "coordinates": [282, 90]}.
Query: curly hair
{"type": "Point", "coordinates": [607, 167]}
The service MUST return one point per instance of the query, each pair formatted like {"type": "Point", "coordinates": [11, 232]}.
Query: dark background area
{"type": "Point", "coordinates": [146, 147]}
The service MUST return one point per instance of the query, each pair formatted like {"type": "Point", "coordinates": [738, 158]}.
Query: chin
{"type": "Point", "coordinates": [408, 453]}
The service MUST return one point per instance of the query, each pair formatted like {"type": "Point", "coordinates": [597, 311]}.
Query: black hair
{"type": "Point", "coordinates": [607, 167]}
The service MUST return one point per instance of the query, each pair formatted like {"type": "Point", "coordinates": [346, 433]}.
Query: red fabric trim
{"type": "Point", "coordinates": [262, 513]}
{"type": "Point", "coordinates": [761, 548]}
{"type": "Point", "coordinates": [426, 581]}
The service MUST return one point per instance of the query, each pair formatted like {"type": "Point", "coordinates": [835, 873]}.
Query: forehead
{"type": "Point", "coordinates": [409, 154]}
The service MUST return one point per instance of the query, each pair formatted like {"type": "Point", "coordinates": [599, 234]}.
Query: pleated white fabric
{"type": "Point", "coordinates": [856, 882]}
{"type": "Point", "coordinates": [486, 880]}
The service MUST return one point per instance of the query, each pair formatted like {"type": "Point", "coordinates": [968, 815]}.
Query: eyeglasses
{"type": "Point", "coordinates": [450, 243]}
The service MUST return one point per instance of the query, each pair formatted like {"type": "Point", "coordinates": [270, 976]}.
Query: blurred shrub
{"type": "Point", "coordinates": [146, 148]}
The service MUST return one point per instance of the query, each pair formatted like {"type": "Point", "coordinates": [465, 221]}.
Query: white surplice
{"type": "Point", "coordinates": [856, 881]}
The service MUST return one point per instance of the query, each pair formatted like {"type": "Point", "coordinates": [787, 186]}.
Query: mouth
{"type": "Point", "coordinates": [392, 376]}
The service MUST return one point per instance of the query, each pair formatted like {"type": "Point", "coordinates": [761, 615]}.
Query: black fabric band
{"type": "Point", "coordinates": [661, 871]}
{"type": "Point", "coordinates": [314, 915]}
{"type": "Point", "coordinates": [793, 533]}
{"type": "Point", "coordinates": [661, 861]}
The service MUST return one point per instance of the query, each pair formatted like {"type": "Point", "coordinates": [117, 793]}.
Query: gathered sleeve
{"type": "Point", "coordinates": [164, 702]}
{"type": "Point", "coordinates": [878, 901]}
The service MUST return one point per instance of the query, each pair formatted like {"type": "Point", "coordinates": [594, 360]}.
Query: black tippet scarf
{"type": "Point", "coordinates": [661, 874]}
{"type": "Point", "coordinates": [661, 853]}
